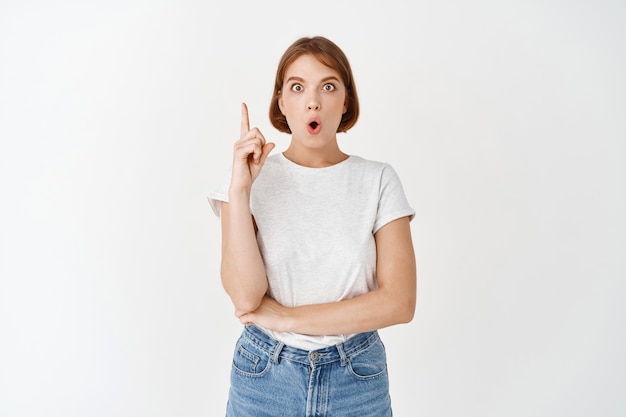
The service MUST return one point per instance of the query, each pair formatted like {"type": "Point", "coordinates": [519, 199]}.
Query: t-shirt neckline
{"type": "Point", "coordinates": [292, 164]}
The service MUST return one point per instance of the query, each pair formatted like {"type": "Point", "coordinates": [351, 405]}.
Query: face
{"type": "Point", "coordinates": [313, 99]}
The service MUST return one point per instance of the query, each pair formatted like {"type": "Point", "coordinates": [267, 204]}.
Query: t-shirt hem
{"type": "Point", "coordinates": [306, 342]}
{"type": "Point", "coordinates": [215, 201]}
{"type": "Point", "coordinates": [394, 216]}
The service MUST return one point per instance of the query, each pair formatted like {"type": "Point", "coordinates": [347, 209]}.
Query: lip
{"type": "Point", "coordinates": [317, 123]}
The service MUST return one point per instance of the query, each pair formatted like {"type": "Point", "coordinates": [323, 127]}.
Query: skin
{"type": "Point", "coordinates": [242, 268]}
{"type": "Point", "coordinates": [311, 89]}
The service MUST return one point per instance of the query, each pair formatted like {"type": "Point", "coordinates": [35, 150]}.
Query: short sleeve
{"type": "Point", "coordinates": [220, 194]}
{"type": "Point", "coordinates": [392, 201]}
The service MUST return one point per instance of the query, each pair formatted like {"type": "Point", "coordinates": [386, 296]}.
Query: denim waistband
{"type": "Point", "coordinates": [339, 352]}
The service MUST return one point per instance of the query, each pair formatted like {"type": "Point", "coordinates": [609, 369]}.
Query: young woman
{"type": "Point", "coordinates": [316, 251]}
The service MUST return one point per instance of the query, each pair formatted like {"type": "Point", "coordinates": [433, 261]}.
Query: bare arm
{"type": "Point", "coordinates": [392, 303]}
{"type": "Point", "coordinates": [242, 269]}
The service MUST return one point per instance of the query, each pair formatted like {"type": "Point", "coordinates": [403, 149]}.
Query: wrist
{"type": "Point", "coordinates": [291, 319]}
{"type": "Point", "coordinates": [238, 193]}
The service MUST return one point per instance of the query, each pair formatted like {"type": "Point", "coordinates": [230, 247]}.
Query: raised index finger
{"type": "Point", "coordinates": [245, 122]}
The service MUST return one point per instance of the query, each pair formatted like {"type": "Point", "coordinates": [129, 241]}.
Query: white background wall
{"type": "Point", "coordinates": [505, 120]}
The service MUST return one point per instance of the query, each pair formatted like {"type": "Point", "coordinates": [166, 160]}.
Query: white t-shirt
{"type": "Point", "coordinates": [316, 231]}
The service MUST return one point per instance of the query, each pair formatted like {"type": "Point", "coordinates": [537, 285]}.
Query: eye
{"type": "Point", "coordinates": [297, 88]}
{"type": "Point", "coordinates": [328, 87]}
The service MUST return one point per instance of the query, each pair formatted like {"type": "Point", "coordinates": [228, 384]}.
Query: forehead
{"type": "Point", "coordinates": [310, 67]}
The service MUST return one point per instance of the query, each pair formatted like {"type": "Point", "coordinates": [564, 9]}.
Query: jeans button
{"type": "Point", "coordinates": [314, 356]}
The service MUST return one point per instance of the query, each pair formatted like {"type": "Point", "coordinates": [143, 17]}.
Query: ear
{"type": "Point", "coordinates": [281, 106]}
{"type": "Point", "coordinates": [345, 106]}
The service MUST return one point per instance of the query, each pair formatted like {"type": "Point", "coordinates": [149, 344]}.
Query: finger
{"type": "Point", "coordinates": [245, 121]}
{"type": "Point", "coordinates": [252, 148]}
{"type": "Point", "coordinates": [248, 151]}
{"type": "Point", "coordinates": [257, 153]}
{"type": "Point", "coordinates": [267, 148]}
{"type": "Point", "coordinates": [253, 135]}
{"type": "Point", "coordinates": [245, 319]}
{"type": "Point", "coordinates": [255, 139]}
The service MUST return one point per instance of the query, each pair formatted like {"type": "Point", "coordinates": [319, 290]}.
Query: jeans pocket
{"type": "Point", "coordinates": [368, 363]}
{"type": "Point", "coordinates": [250, 360]}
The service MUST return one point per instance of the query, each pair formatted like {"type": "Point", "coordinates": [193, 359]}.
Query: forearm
{"type": "Point", "coordinates": [372, 311]}
{"type": "Point", "coordinates": [242, 269]}
{"type": "Point", "coordinates": [392, 303]}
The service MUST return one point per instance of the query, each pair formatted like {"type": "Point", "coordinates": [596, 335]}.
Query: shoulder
{"type": "Point", "coordinates": [379, 172]}
{"type": "Point", "coordinates": [361, 162]}
{"type": "Point", "coordinates": [369, 166]}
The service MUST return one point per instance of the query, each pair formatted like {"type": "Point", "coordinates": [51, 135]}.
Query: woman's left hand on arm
{"type": "Point", "coordinates": [270, 314]}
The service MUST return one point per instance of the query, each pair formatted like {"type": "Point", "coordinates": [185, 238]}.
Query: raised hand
{"type": "Point", "coordinates": [250, 153]}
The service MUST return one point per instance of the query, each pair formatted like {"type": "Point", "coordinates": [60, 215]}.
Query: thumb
{"type": "Point", "coordinates": [267, 148]}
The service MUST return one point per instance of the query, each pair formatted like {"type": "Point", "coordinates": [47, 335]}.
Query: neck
{"type": "Point", "coordinates": [315, 158]}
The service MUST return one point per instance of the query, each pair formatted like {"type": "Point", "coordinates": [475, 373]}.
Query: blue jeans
{"type": "Point", "coordinates": [271, 379]}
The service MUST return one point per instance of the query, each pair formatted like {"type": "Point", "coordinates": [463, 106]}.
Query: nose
{"type": "Point", "coordinates": [313, 102]}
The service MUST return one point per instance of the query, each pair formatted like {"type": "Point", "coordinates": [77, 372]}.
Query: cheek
{"type": "Point", "coordinates": [340, 102]}
{"type": "Point", "coordinates": [289, 104]}
{"type": "Point", "coordinates": [340, 105]}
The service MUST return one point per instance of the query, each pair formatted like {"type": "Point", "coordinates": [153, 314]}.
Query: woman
{"type": "Point", "coordinates": [316, 251]}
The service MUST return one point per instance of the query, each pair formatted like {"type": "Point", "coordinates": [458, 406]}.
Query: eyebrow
{"type": "Point", "coordinates": [298, 79]}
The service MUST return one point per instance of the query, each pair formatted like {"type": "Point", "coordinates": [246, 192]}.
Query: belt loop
{"type": "Point", "coordinates": [276, 354]}
{"type": "Point", "coordinates": [342, 354]}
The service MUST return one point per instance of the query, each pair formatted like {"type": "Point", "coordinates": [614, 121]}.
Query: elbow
{"type": "Point", "coordinates": [407, 303]}
{"type": "Point", "coordinates": [246, 301]}
{"type": "Point", "coordinates": [406, 313]}
{"type": "Point", "coordinates": [245, 306]}
{"type": "Point", "coordinates": [401, 306]}
{"type": "Point", "coordinates": [405, 310]}
{"type": "Point", "coordinates": [245, 297]}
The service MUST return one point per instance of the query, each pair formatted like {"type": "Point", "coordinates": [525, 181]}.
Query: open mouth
{"type": "Point", "coordinates": [314, 127]}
